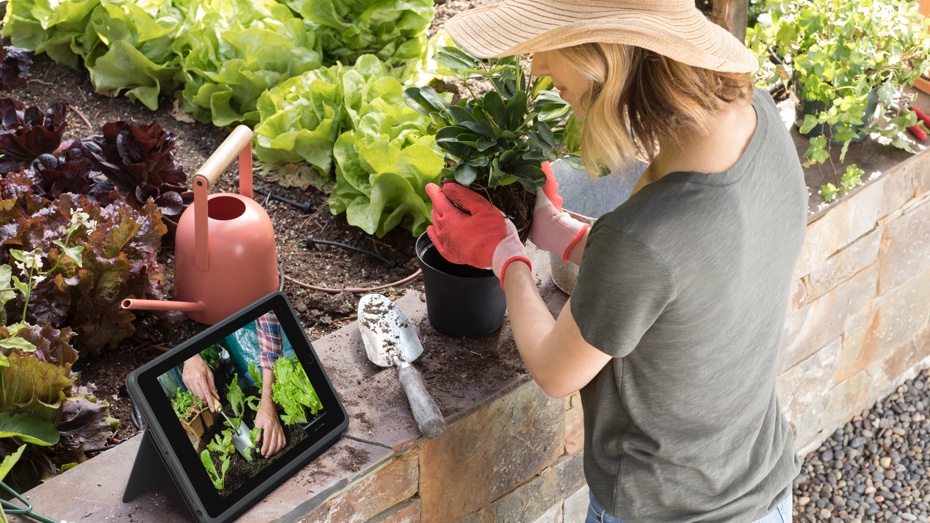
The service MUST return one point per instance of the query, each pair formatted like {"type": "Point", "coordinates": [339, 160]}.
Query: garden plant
{"type": "Point", "coordinates": [495, 143]}
{"type": "Point", "coordinates": [840, 59]}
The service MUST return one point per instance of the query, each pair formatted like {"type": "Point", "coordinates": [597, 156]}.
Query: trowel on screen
{"type": "Point", "coordinates": [391, 340]}
{"type": "Point", "coordinates": [240, 438]}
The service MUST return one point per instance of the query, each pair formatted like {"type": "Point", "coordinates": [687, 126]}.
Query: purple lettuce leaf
{"type": "Point", "coordinates": [14, 67]}
{"type": "Point", "coordinates": [27, 133]}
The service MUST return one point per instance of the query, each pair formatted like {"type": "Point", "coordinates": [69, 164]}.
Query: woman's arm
{"type": "Point", "coordinates": [557, 356]}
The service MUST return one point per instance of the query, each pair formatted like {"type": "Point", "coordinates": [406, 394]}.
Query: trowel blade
{"type": "Point", "coordinates": [386, 332]}
{"type": "Point", "coordinates": [240, 438]}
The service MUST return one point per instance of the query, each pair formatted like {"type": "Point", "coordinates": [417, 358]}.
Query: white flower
{"type": "Point", "coordinates": [37, 279]}
{"type": "Point", "coordinates": [34, 259]}
{"type": "Point", "coordinates": [765, 19]}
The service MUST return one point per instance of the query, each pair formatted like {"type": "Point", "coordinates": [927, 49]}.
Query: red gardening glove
{"type": "Point", "coordinates": [479, 236]}
{"type": "Point", "coordinates": [553, 229]}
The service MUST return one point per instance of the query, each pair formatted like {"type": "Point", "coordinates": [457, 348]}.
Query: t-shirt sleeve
{"type": "Point", "coordinates": [622, 288]}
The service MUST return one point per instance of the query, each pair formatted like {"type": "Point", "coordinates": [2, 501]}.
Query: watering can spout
{"type": "Point", "coordinates": [162, 305]}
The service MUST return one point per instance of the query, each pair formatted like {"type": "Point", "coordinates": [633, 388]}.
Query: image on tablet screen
{"type": "Point", "coordinates": [243, 402]}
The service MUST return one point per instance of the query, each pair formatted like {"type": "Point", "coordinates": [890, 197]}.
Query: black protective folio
{"type": "Point", "coordinates": [168, 447]}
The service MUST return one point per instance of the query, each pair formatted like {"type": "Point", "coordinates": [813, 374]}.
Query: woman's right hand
{"type": "Point", "coordinates": [553, 229]}
{"type": "Point", "coordinates": [198, 378]}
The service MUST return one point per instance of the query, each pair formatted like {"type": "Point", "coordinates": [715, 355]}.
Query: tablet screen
{"type": "Point", "coordinates": [242, 406]}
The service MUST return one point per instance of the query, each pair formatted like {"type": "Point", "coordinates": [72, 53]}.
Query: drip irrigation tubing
{"type": "Point", "coordinates": [354, 290]}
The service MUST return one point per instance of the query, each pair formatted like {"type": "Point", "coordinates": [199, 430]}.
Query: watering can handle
{"type": "Point", "coordinates": [237, 144]}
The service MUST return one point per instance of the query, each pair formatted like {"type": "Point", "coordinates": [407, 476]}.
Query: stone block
{"type": "Point", "coordinates": [406, 512]}
{"type": "Point", "coordinates": [863, 211]}
{"type": "Point", "coordinates": [906, 309]}
{"type": "Point", "coordinates": [922, 179]}
{"type": "Point", "coordinates": [825, 235]}
{"type": "Point", "coordinates": [802, 390]}
{"type": "Point", "coordinates": [528, 501]}
{"type": "Point", "coordinates": [534, 498]}
{"type": "Point", "coordinates": [375, 493]}
{"type": "Point", "coordinates": [844, 264]}
{"type": "Point", "coordinates": [488, 453]}
{"type": "Point", "coordinates": [898, 188]}
{"type": "Point", "coordinates": [485, 515]}
{"type": "Point", "coordinates": [905, 248]}
{"type": "Point", "coordinates": [860, 343]}
{"type": "Point", "coordinates": [553, 515]}
{"type": "Point", "coordinates": [822, 320]}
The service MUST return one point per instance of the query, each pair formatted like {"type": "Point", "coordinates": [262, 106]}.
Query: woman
{"type": "Point", "coordinates": [672, 331]}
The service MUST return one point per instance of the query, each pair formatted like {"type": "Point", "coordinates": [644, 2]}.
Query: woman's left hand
{"type": "Point", "coordinates": [272, 435]}
{"type": "Point", "coordinates": [467, 229]}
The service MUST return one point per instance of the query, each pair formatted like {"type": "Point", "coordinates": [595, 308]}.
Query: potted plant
{"type": "Point", "coordinates": [495, 144]}
{"type": "Point", "coordinates": [193, 414]}
{"type": "Point", "coordinates": [842, 62]}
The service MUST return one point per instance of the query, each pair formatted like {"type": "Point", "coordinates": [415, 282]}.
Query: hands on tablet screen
{"type": "Point", "coordinates": [198, 378]}
{"type": "Point", "coordinates": [271, 438]}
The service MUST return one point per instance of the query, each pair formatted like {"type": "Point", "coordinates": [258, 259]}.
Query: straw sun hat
{"type": "Point", "coordinates": [674, 28]}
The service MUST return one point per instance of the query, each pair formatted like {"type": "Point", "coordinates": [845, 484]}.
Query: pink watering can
{"type": "Point", "coordinates": [225, 255]}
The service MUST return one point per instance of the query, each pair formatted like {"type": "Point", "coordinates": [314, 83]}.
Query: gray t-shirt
{"type": "Point", "coordinates": [686, 285]}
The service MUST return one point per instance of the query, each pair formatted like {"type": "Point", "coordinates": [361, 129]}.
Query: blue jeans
{"type": "Point", "coordinates": [597, 514]}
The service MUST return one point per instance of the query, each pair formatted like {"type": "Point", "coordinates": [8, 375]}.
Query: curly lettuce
{"type": "Point", "coordinates": [234, 50]}
{"type": "Point", "coordinates": [348, 29]}
{"type": "Point", "coordinates": [293, 391]}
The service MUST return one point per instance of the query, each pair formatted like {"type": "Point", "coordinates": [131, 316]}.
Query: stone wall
{"type": "Point", "coordinates": [857, 324]}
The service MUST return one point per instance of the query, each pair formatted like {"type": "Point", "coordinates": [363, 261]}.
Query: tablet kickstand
{"type": "Point", "coordinates": [147, 469]}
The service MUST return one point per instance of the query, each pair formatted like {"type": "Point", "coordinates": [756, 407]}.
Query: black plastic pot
{"type": "Point", "coordinates": [461, 300]}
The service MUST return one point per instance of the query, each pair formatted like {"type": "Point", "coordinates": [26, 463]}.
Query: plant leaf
{"type": "Point", "coordinates": [28, 429]}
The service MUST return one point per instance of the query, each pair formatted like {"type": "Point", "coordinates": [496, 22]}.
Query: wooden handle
{"type": "Point", "coordinates": [223, 156]}
{"type": "Point", "coordinates": [425, 410]}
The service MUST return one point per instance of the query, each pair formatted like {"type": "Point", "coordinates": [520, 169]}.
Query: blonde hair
{"type": "Point", "coordinates": [637, 99]}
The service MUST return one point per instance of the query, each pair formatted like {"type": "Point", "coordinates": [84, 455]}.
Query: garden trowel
{"type": "Point", "coordinates": [391, 340]}
{"type": "Point", "coordinates": [240, 438]}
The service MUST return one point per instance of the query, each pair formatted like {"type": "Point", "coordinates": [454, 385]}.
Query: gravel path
{"type": "Point", "coordinates": [874, 469]}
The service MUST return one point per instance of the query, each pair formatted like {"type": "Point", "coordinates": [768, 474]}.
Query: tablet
{"type": "Point", "coordinates": [260, 362]}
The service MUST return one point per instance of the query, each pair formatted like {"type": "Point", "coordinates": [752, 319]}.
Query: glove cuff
{"type": "Point", "coordinates": [575, 240]}
{"type": "Point", "coordinates": [508, 250]}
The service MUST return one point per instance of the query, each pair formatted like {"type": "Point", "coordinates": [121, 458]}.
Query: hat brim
{"type": "Point", "coordinates": [518, 27]}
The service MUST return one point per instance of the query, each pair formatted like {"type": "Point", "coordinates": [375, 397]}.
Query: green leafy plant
{"type": "Point", "coordinates": [351, 125]}
{"type": "Point", "coordinates": [5, 467]}
{"type": "Point", "coordinates": [186, 404]}
{"type": "Point", "coordinates": [256, 376]}
{"type": "Point", "coordinates": [238, 401]}
{"type": "Point", "coordinates": [840, 59]}
{"type": "Point", "coordinates": [234, 50]}
{"type": "Point", "coordinates": [293, 391]}
{"type": "Point", "coordinates": [218, 478]}
{"type": "Point", "coordinates": [348, 29]}
{"type": "Point", "coordinates": [500, 138]}
{"type": "Point", "coordinates": [39, 391]}
{"type": "Point", "coordinates": [211, 355]}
